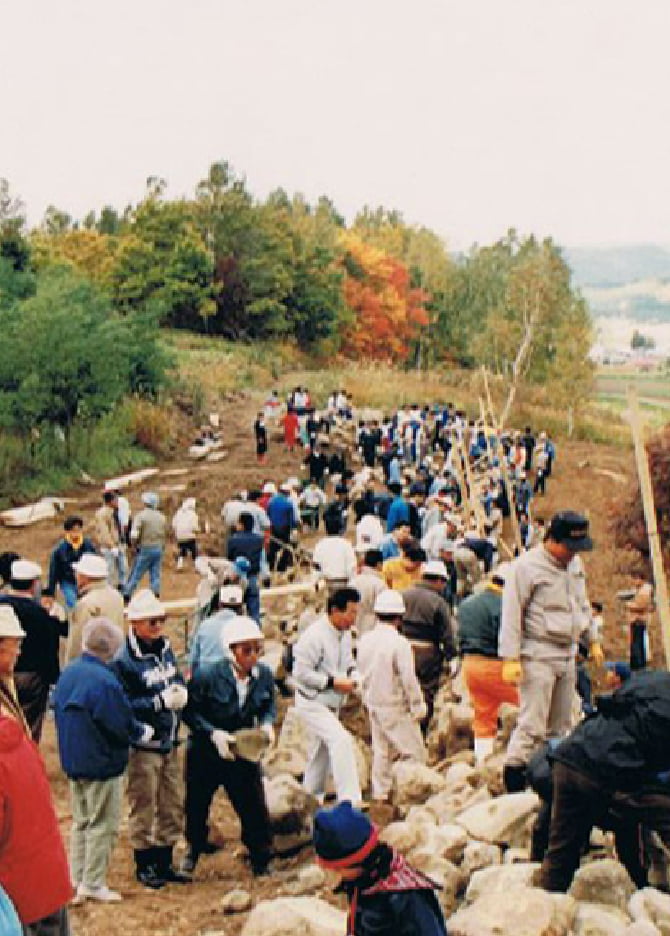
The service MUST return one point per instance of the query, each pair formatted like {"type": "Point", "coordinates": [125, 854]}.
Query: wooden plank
{"type": "Point", "coordinates": [647, 491]}
{"type": "Point", "coordinates": [179, 606]}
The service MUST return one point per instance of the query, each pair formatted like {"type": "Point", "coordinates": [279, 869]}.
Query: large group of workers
{"type": "Point", "coordinates": [423, 528]}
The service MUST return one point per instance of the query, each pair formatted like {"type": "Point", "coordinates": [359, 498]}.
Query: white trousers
{"type": "Point", "coordinates": [395, 736]}
{"type": "Point", "coordinates": [332, 751]}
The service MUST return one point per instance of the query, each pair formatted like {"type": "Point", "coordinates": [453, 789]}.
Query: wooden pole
{"type": "Point", "coordinates": [514, 520]}
{"type": "Point", "coordinates": [644, 475]}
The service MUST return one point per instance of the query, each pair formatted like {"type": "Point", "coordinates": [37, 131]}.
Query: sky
{"type": "Point", "coordinates": [469, 117]}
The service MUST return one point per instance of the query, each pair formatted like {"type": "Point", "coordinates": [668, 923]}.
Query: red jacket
{"type": "Point", "coordinates": [33, 864]}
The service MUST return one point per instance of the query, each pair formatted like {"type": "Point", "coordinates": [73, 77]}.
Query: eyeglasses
{"type": "Point", "coordinates": [155, 622]}
{"type": "Point", "coordinates": [249, 649]}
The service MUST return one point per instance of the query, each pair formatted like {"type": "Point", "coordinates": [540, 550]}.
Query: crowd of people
{"type": "Point", "coordinates": [424, 528]}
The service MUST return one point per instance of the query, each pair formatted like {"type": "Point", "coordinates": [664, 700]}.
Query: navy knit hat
{"type": "Point", "coordinates": [343, 836]}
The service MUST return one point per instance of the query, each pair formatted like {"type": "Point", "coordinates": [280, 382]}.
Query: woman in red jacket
{"type": "Point", "coordinates": [33, 865]}
{"type": "Point", "coordinates": [291, 425]}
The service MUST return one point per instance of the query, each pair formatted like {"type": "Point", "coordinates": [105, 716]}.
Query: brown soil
{"type": "Point", "coordinates": [194, 909]}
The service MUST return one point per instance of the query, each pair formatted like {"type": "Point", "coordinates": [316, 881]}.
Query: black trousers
{"type": "Point", "coordinates": [205, 773]}
{"type": "Point", "coordinates": [33, 695]}
{"type": "Point", "coordinates": [279, 557]}
{"type": "Point", "coordinates": [578, 804]}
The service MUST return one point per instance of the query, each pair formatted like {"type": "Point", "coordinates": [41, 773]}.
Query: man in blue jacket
{"type": "Point", "coordinates": [282, 514]}
{"type": "Point", "coordinates": [147, 668]}
{"type": "Point", "coordinates": [237, 693]}
{"type": "Point", "coordinates": [95, 726]}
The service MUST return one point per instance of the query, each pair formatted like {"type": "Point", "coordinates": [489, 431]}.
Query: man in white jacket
{"type": "Point", "coordinates": [335, 557]}
{"type": "Point", "coordinates": [186, 526]}
{"type": "Point", "coordinates": [324, 673]}
{"type": "Point", "coordinates": [391, 692]}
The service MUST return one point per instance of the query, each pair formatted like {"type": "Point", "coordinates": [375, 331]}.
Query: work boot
{"type": "Point", "coordinates": [145, 869]}
{"type": "Point", "coordinates": [514, 778]}
{"type": "Point", "coordinates": [163, 862]}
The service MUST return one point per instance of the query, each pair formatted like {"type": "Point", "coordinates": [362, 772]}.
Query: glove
{"type": "Point", "coordinates": [269, 732]}
{"type": "Point", "coordinates": [147, 734]}
{"type": "Point", "coordinates": [221, 741]}
{"type": "Point", "coordinates": [596, 653]}
{"type": "Point", "coordinates": [511, 671]}
{"type": "Point", "coordinates": [174, 697]}
{"type": "Point", "coordinates": [294, 537]}
{"type": "Point", "coordinates": [115, 551]}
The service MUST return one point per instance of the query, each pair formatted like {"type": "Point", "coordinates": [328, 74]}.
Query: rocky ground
{"type": "Point", "coordinates": [449, 817]}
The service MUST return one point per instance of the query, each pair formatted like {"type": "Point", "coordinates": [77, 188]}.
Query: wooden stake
{"type": "Point", "coordinates": [514, 520]}
{"type": "Point", "coordinates": [644, 475]}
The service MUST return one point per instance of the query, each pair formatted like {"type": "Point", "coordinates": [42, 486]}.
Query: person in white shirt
{"type": "Point", "coordinates": [186, 526]}
{"type": "Point", "coordinates": [391, 692]}
{"type": "Point", "coordinates": [334, 555]}
{"type": "Point", "coordinates": [368, 583]}
{"type": "Point", "coordinates": [324, 674]}
{"type": "Point", "coordinates": [369, 532]}
{"type": "Point", "coordinates": [312, 500]}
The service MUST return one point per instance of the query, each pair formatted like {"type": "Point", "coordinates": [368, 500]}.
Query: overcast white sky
{"type": "Point", "coordinates": [552, 116]}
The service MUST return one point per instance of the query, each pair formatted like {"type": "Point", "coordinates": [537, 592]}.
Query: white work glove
{"type": "Point", "coordinates": [174, 697]}
{"type": "Point", "coordinates": [269, 732]}
{"type": "Point", "coordinates": [221, 741]}
{"type": "Point", "coordinates": [115, 551]}
{"type": "Point", "coordinates": [147, 734]}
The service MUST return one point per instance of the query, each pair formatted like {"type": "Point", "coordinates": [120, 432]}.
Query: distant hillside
{"type": "Point", "coordinates": [616, 266]}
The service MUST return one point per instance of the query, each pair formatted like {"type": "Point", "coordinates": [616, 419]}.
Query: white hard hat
{"type": "Point", "coordinates": [91, 566]}
{"type": "Point", "coordinates": [150, 498]}
{"type": "Point", "coordinates": [10, 625]}
{"type": "Point", "coordinates": [435, 568]}
{"type": "Point", "coordinates": [269, 488]}
{"type": "Point", "coordinates": [145, 605]}
{"type": "Point", "coordinates": [389, 602]}
{"type": "Point", "coordinates": [238, 630]}
{"type": "Point", "coordinates": [230, 595]}
{"type": "Point", "coordinates": [23, 570]}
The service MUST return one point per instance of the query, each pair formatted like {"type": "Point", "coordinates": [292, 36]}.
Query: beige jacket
{"type": "Point", "coordinates": [149, 528]}
{"type": "Point", "coordinates": [106, 531]}
{"type": "Point", "coordinates": [545, 607]}
{"type": "Point", "coordinates": [99, 599]}
{"type": "Point", "coordinates": [368, 583]}
{"type": "Point", "coordinates": [386, 667]}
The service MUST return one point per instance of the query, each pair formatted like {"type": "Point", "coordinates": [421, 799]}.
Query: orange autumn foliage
{"type": "Point", "coordinates": [385, 312]}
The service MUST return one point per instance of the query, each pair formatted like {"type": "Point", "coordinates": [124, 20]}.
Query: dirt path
{"type": "Point", "coordinates": [194, 909]}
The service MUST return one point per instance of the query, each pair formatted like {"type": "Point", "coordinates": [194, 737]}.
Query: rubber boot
{"type": "Point", "coordinates": [483, 749]}
{"type": "Point", "coordinates": [514, 778]}
{"type": "Point", "coordinates": [163, 862]}
{"type": "Point", "coordinates": [145, 869]}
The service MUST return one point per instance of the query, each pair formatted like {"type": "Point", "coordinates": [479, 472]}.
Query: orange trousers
{"type": "Point", "coordinates": [483, 677]}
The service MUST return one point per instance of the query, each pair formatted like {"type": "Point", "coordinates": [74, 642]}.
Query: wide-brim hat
{"type": "Point", "coordinates": [91, 566]}
{"type": "Point", "coordinates": [145, 605]}
{"type": "Point", "coordinates": [10, 626]}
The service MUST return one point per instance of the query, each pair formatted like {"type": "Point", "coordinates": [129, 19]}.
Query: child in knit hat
{"type": "Point", "coordinates": [386, 895]}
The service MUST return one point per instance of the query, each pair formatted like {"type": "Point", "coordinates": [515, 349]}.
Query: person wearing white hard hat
{"type": "Point", "coordinates": [234, 694]}
{"type": "Point", "coordinates": [428, 627]}
{"type": "Point", "coordinates": [38, 665]}
{"type": "Point", "coordinates": [148, 534]}
{"type": "Point", "coordinates": [207, 647]}
{"type": "Point", "coordinates": [97, 598]}
{"type": "Point", "coordinates": [147, 668]}
{"type": "Point", "coordinates": [478, 630]}
{"type": "Point", "coordinates": [11, 635]}
{"type": "Point", "coordinates": [391, 692]}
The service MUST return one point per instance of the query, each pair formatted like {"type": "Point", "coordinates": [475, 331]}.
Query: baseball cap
{"type": "Point", "coordinates": [571, 529]}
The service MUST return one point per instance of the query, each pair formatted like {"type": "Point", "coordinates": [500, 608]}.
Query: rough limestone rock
{"type": "Point", "coordinates": [450, 839]}
{"type": "Point", "coordinates": [517, 856]}
{"type": "Point", "coordinates": [289, 756]}
{"type": "Point", "coordinates": [642, 928]}
{"type": "Point", "coordinates": [458, 774]}
{"type": "Point", "coordinates": [272, 654]}
{"type": "Point", "coordinates": [363, 756]}
{"type": "Point", "coordinates": [291, 811]}
{"type": "Point", "coordinates": [421, 815]}
{"type": "Point", "coordinates": [404, 835]}
{"type": "Point", "coordinates": [480, 855]}
{"type": "Point", "coordinates": [451, 730]}
{"type": "Point", "coordinates": [236, 901]}
{"type": "Point", "coordinates": [507, 716]}
{"type": "Point", "coordinates": [519, 912]}
{"type": "Point", "coordinates": [501, 821]}
{"type": "Point", "coordinates": [651, 906]}
{"type": "Point", "coordinates": [413, 783]}
{"type": "Point", "coordinates": [605, 882]}
{"type": "Point", "coordinates": [596, 920]}
{"type": "Point", "coordinates": [309, 880]}
{"type": "Point", "coordinates": [295, 916]}
{"type": "Point", "coordinates": [498, 879]}
{"type": "Point", "coordinates": [447, 805]}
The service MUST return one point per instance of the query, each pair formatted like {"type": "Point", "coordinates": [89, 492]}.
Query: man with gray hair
{"type": "Point", "coordinates": [95, 725]}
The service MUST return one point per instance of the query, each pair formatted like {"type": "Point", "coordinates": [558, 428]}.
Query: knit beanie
{"type": "Point", "coordinates": [343, 836]}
